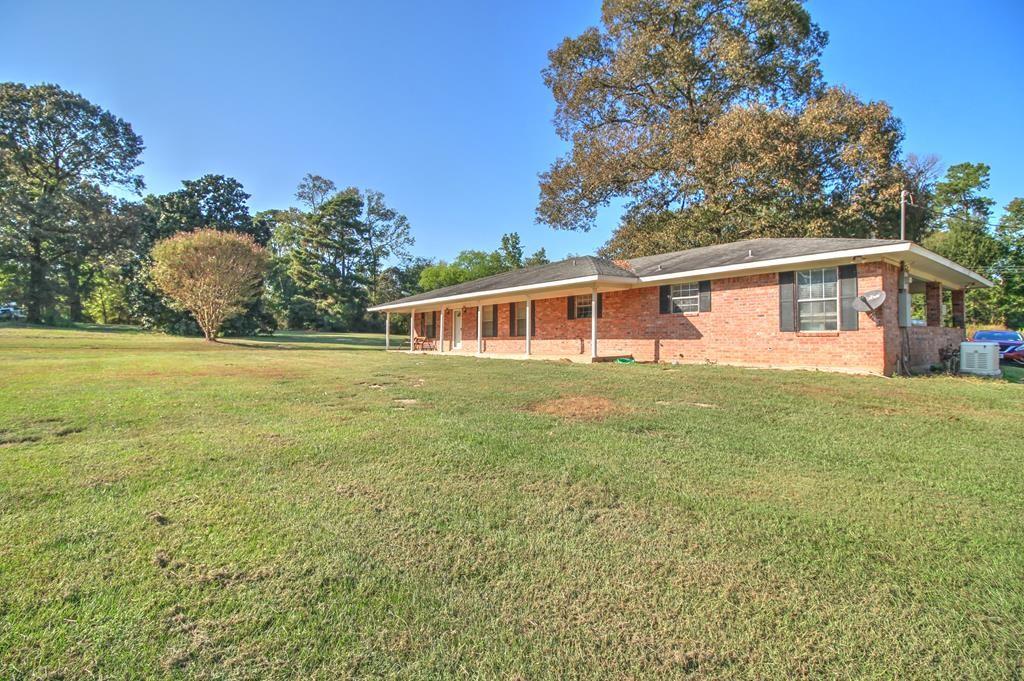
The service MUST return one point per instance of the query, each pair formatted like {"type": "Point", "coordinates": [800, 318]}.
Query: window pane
{"type": "Point", "coordinates": [817, 284]}
{"type": "Point", "coordinates": [829, 283]}
{"type": "Point", "coordinates": [685, 297]}
{"type": "Point", "coordinates": [818, 315]}
{"type": "Point", "coordinates": [685, 304]}
{"type": "Point", "coordinates": [803, 280]}
{"type": "Point", "coordinates": [489, 325]}
{"type": "Point", "coordinates": [584, 309]}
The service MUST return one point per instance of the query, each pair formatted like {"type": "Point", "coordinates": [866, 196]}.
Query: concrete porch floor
{"type": "Point", "coordinates": [577, 358]}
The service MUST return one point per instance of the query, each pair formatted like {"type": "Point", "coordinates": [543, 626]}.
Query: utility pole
{"type": "Point", "coordinates": [903, 214]}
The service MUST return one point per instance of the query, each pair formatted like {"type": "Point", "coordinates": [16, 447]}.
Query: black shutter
{"type": "Point", "coordinates": [786, 320]}
{"type": "Point", "coordinates": [570, 312]}
{"type": "Point", "coordinates": [512, 319]}
{"type": "Point", "coordinates": [600, 305]}
{"type": "Point", "coordinates": [665, 299]}
{"type": "Point", "coordinates": [704, 304]}
{"type": "Point", "coordinates": [533, 319]}
{"type": "Point", "coordinates": [847, 294]}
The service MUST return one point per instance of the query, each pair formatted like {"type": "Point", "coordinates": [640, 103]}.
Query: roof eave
{"type": "Point", "coordinates": [846, 254]}
{"type": "Point", "coordinates": [972, 279]}
{"type": "Point", "coordinates": [593, 279]}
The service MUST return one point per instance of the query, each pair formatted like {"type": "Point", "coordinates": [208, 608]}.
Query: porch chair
{"type": "Point", "coordinates": [423, 343]}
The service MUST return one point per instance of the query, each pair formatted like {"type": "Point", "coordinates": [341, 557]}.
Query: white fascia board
{"type": "Point", "coordinates": [946, 262]}
{"type": "Point", "coordinates": [491, 293]}
{"type": "Point", "coordinates": [777, 263]}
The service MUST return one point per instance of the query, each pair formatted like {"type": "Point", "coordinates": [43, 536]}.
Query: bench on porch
{"type": "Point", "coordinates": [423, 343]}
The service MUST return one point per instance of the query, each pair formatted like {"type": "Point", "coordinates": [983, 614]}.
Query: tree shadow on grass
{"type": "Point", "coordinates": [78, 326]}
{"type": "Point", "coordinates": [292, 340]}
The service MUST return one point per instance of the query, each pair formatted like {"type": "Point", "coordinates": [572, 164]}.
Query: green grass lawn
{"type": "Point", "coordinates": [308, 506]}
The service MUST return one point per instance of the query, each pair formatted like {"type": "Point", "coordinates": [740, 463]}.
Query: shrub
{"type": "Point", "coordinates": [210, 273]}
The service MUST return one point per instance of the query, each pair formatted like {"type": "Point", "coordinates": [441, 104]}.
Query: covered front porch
{"type": "Point", "coordinates": [509, 327]}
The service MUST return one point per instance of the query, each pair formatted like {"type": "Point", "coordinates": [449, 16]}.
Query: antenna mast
{"type": "Point", "coordinates": [903, 214]}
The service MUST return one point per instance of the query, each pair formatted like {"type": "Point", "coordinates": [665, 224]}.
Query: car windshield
{"type": "Point", "coordinates": [997, 336]}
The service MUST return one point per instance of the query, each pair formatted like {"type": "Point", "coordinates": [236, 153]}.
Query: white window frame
{"type": "Point", "coordinates": [825, 299]}
{"type": "Point", "coordinates": [684, 298]}
{"type": "Point", "coordinates": [584, 302]}
{"type": "Point", "coordinates": [488, 327]}
{"type": "Point", "coordinates": [520, 330]}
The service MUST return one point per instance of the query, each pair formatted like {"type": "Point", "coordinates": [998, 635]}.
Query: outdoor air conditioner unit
{"type": "Point", "coordinates": [981, 359]}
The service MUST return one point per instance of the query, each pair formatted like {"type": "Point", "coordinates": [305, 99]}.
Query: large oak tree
{"type": "Point", "coordinates": [56, 150]}
{"type": "Point", "coordinates": [710, 120]}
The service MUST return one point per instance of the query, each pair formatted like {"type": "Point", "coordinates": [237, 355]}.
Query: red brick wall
{"type": "Point", "coordinates": [927, 342]}
{"type": "Point", "coordinates": [741, 328]}
{"type": "Point", "coordinates": [957, 301]}
{"type": "Point", "coordinates": [933, 304]}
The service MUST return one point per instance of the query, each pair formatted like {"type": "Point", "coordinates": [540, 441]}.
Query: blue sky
{"type": "Point", "coordinates": [441, 105]}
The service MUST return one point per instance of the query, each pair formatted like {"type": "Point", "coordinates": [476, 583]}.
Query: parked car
{"type": "Point", "coordinates": [11, 313]}
{"type": "Point", "coordinates": [1011, 343]}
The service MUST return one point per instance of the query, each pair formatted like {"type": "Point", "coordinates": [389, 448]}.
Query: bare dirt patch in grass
{"type": "Point", "coordinates": [579, 407]}
{"type": "Point", "coordinates": [699, 405]}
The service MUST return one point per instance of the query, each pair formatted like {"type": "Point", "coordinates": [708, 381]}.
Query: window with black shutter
{"type": "Point", "coordinates": [584, 307]}
{"type": "Point", "coordinates": [490, 321]}
{"type": "Point", "coordinates": [517, 319]}
{"type": "Point", "coordinates": [848, 316]}
{"type": "Point", "coordinates": [694, 296]}
{"type": "Point", "coordinates": [787, 304]}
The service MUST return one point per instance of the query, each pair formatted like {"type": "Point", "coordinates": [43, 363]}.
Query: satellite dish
{"type": "Point", "coordinates": [869, 302]}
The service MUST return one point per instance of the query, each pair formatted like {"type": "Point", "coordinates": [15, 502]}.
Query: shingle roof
{"type": "Point", "coordinates": [741, 252]}
{"type": "Point", "coordinates": [570, 268]}
{"type": "Point", "coordinates": [721, 255]}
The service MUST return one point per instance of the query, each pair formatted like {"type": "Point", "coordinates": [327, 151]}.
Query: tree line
{"type": "Point", "coordinates": [709, 121]}
{"type": "Point", "coordinates": [77, 235]}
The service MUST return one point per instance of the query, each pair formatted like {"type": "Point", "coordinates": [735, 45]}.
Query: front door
{"type": "Point", "coordinates": [457, 329]}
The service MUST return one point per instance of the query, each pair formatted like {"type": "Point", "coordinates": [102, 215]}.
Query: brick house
{"type": "Point", "coordinates": [763, 302]}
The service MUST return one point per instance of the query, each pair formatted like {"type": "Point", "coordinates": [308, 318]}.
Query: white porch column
{"type": "Point", "coordinates": [479, 329]}
{"type": "Point", "coordinates": [593, 324]}
{"type": "Point", "coordinates": [387, 330]}
{"type": "Point", "coordinates": [412, 328]}
{"type": "Point", "coordinates": [529, 330]}
{"type": "Point", "coordinates": [440, 336]}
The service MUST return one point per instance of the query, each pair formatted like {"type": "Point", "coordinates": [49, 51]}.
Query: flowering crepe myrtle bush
{"type": "Point", "coordinates": [210, 273]}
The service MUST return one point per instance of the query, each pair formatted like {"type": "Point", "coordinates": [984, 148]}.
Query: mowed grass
{"type": "Point", "coordinates": [308, 506]}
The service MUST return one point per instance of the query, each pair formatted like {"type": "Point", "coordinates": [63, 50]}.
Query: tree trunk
{"type": "Point", "coordinates": [36, 282]}
{"type": "Point", "coordinates": [75, 293]}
